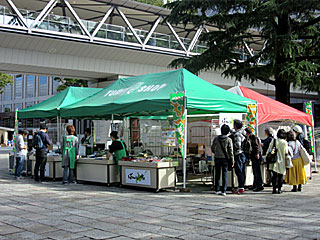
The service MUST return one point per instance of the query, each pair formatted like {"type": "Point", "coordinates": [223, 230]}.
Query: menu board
{"type": "Point", "coordinates": [168, 134]}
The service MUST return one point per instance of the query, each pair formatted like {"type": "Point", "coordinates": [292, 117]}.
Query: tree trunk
{"type": "Point", "coordinates": [282, 91]}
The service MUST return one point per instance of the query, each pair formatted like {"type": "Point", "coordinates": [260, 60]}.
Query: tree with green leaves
{"type": "Point", "coordinates": [5, 79]}
{"type": "Point", "coordinates": [67, 82]}
{"type": "Point", "coordinates": [285, 35]}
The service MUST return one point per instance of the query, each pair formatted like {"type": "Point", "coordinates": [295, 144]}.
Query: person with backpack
{"type": "Point", "coordinates": [41, 142]}
{"type": "Point", "coordinates": [70, 152]}
{"type": "Point", "coordinates": [254, 154]}
{"type": "Point", "coordinates": [118, 148]}
{"type": "Point", "coordinates": [239, 157]}
{"type": "Point", "coordinates": [222, 149]}
{"type": "Point", "coordinates": [299, 136]}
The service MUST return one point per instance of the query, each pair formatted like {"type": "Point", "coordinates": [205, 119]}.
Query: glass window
{"type": "Point", "coordinates": [55, 85]}
{"type": "Point", "coordinates": [43, 86]}
{"type": "Point", "coordinates": [18, 87]}
{"type": "Point", "coordinates": [29, 104]}
{"type": "Point", "coordinates": [18, 105]}
{"type": "Point", "coordinates": [30, 86]}
{"type": "Point", "coordinates": [7, 108]}
{"type": "Point", "coordinates": [7, 93]}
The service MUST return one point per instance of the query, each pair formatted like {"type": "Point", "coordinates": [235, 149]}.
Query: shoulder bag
{"type": "Point", "coordinates": [272, 155]}
{"type": "Point", "coordinates": [226, 156]}
{"type": "Point", "coordinates": [305, 155]}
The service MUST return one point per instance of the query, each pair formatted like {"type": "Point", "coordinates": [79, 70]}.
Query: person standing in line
{"type": "Point", "coordinates": [256, 159]}
{"type": "Point", "coordinates": [223, 152]}
{"type": "Point", "coordinates": [265, 145]}
{"type": "Point", "coordinates": [118, 148]}
{"type": "Point", "coordinates": [20, 153]}
{"type": "Point", "coordinates": [279, 167]}
{"type": "Point", "coordinates": [41, 152]}
{"type": "Point", "coordinates": [70, 152]}
{"type": "Point", "coordinates": [239, 157]}
{"type": "Point", "coordinates": [295, 176]}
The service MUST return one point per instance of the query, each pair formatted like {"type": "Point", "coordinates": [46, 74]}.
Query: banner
{"type": "Point", "coordinates": [308, 107]}
{"type": "Point", "coordinates": [252, 117]}
{"type": "Point", "coordinates": [179, 119]}
{"type": "Point", "coordinates": [138, 176]}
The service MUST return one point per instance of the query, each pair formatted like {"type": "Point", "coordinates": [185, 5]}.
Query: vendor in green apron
{"type": "Point", "coordinates": [70, 152]}
{"type": "Point", "coordinates": [118, 148]}
{"type": "Point", "coordinates": [87, 141]}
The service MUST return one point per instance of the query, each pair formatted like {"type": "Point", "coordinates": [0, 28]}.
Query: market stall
{"type": "Point", "coordinates": [176, 94]}
{"type": "Point", "coordinates": [50, 109]}
{"type": "Point", "coordinates": [271, 110]}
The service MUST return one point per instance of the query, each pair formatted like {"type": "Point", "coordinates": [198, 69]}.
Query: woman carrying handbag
{"type": "Point", "coordinates": [278, 168]}
{"type": "Point", "coordinates": [295, 176]}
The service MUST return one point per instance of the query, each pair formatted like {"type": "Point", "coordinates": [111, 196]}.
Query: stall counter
{"type": "Point", "coordinates": [98, 170]}
{"type": "Point", "coordinates": [154, 175]}
{"type": "Point", "coordinates": [53, 168]}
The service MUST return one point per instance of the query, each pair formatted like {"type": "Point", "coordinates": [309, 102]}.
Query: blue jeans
{"type": "Point", "coordinates": [256, 168]}
{"type": "Point", "coordinates": [221, 164]}
{"type": "Point", "coordinates": [240, 168]}
{"type": "Point", "coordinates": [65, 174]}
{"type": "Point", "coordinates": [19, 165]}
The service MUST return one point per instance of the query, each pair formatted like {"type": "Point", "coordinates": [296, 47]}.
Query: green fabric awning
{"type": "Point", "coordinates": [150, 95]}
{"type": "Point", "coordinates": [50, 108]}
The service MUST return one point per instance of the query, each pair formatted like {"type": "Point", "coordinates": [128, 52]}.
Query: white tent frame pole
{"type": "Point", "coordinates": [185, 143]}
{"type": "Point", "coordinates": [315, 152]}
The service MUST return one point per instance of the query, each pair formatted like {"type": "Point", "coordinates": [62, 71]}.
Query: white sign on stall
{"type": "Point", "coordinates": [138, 176]}
{"type": "Point", "coordinates": [228, 118]}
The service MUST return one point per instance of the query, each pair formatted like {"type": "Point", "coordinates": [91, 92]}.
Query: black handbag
{"type": "Point", "coordinates": [272, 155]}
{"type": "Point", "coordinates": [226, 156]}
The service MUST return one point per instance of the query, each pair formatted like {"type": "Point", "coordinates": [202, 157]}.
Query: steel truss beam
{"type": "Point", "coordinates": [43, 14]}
{"type": "Point", "coordinates": [176, 36]}
{"type": "Point", "coordinates": [195, 39]}
{"type": "Point", "coordinates": [151, 31]}
{"type": "Point", "coordinates": [19, 15]}
{"type": "Point", "coordinates": [103, 20]}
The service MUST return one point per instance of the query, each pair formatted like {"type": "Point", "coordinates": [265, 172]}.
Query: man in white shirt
{"type": "Point", "coordinates": [20, 153]}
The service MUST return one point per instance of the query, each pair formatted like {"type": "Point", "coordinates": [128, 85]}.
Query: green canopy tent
{"type": "Point", "coordinates": [149, 95]}
{"type": "Point", "coordinates": [50, 108]}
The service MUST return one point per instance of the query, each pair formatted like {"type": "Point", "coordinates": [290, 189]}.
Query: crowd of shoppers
{"type": "Point", "coordinates": [238, 147]}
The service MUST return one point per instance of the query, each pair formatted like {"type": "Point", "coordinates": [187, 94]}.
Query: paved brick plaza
{"type": "Point", "coordinates": [31, 210]}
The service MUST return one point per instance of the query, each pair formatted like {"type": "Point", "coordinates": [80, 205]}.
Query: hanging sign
{"type": "Point", "coordinates": [252, 117]}
{"type": "Point", "coordinates": [168, 134]}
{"type": "Point", "coordinates": [308, 107]}
{"type": "Point", "coordinates": [179, 119]}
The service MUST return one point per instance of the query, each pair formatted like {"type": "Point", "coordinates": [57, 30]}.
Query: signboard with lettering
{"type": "Point", "coordinates": [138, 176]}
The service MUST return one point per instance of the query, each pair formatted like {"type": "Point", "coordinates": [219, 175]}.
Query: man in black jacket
{"type": "Point", "coordinates": [256, 159]}
{"type": "Point", "coordinates": [41, 154]}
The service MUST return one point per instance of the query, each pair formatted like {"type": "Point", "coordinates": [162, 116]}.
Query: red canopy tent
{"type": "Point", "coordinates": [272, 110]}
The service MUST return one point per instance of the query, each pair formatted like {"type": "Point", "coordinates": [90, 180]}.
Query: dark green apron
{"type": "Point", "coordinates": [71, 151]}
{"type": "Point", "coordinates": [119, 154]}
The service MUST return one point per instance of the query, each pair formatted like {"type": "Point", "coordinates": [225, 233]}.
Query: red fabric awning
{"type": "Point", "coordinates": [272, 110]}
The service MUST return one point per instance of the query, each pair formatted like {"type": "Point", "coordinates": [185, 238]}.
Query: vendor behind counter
{"type": "Point", "coordinates": [118, 148]}
{"type": "Point", "coordinates": [87, 141]}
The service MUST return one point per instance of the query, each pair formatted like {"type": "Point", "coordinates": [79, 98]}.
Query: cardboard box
{"type": "Point", "coordinates": [196, 148]}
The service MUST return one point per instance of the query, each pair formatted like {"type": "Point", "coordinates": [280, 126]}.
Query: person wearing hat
{"type": "Point", "coordinates": [117, 148]}
{"type": "Point", "coordinates": [299, 136]}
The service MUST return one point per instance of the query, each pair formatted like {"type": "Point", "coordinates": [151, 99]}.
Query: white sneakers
{"type": "Point", "coordinates": [221, 193]}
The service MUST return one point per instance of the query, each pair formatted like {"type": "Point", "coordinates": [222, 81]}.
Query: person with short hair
{"type": "Point", "coordinates": [279, 168]}
{"type": "Point", "coordinates": [41, 153]}
{"type": "Point", "coordinates": [20, 152]}
{"type": "Point", "coordinates": [70, 152]}
{"type": "Point", "coordinates": [295, 176]}
{"type": "Point", "coordinates": [239, 157]}
{"type": "Point", "coordinates": [118, 148]}
{"type": "Point", "coordinates": [222, 149]}
{"type": "Point", "coordinates": [265, 145]}
{"type": "Point", "coordinates": [87, 141]}
{"type": "Point", "coordinates": [256, 159]}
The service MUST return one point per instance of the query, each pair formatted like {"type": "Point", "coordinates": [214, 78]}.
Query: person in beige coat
{"type": "Point", "coordinates": [279, 168]}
